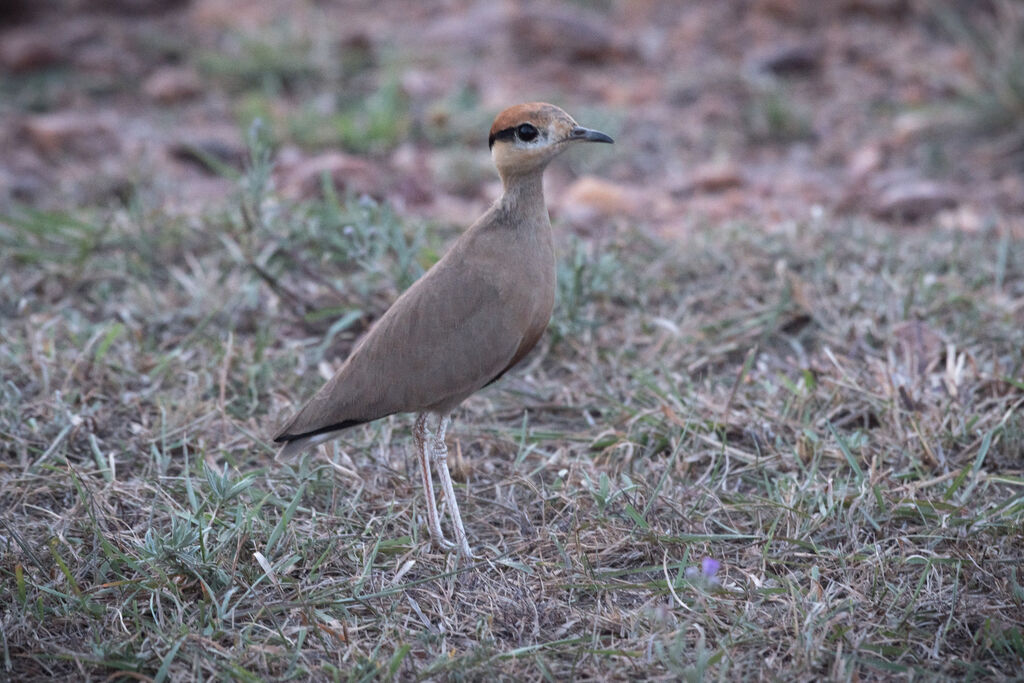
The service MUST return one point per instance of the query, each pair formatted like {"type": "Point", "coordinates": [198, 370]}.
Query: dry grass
{"type": "Point", "coordinates": [832, 411]}
{"type": "Point", "coordinates": [993, 98]}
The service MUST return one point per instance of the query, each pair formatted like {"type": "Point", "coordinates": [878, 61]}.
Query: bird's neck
{"type": "Point", "coordinates": [524, 197]}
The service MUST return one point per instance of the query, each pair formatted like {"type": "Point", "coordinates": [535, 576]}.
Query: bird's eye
{"type": "Point", "coordinates": [526, 132]}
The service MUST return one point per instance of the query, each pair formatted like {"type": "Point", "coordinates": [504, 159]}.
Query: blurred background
{"type": "Point", "coordinates": [907, 111]}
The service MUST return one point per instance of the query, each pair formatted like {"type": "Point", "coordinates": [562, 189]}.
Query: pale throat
{"type": "Point", "coordinates": [524, 194]}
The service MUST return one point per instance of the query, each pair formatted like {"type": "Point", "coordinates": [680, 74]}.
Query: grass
{"type": "Point", "coordinates": [310, 89]}
{"type": "Point", "coordinates": [773, 114]}
{"type": "Point", "coordinates": [992, 98]}
{"type": "Point", "coordinates": [370, 124]}
{"type": "Point", "coordinates": [831, 411]}
{"type": "Point", "coordinates": [280, 60]}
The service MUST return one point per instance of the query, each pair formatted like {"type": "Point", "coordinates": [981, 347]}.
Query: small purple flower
{"type": "Point", "coordinates": [709, 567]}
{"type": "Point", "coordinates": [706, 573]}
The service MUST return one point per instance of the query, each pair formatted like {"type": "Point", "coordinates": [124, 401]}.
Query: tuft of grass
{"type": "Point", "coordinates": [832, 413]}
{"type": "Point", "coordinates": [586, 273]}
{"type": "Point", "coordinates": [280, 77]}
{"type": "Point", "coordinates": [993, 99]}
{"type": "Point", "coordinates": [376, 123]}
{"type": "Point", "coordinates": [278, 61]}
{"type": "Point", "coordinates": [773, 116]}
{"type": "Point", "coordinates": [373, 123]}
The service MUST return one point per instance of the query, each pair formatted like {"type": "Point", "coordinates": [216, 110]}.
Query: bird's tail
{"type": "Point", "coordinates": [296, 446]}
{"type": "Point", "coordinates": [293, 448]}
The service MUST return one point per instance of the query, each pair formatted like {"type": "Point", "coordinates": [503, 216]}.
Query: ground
{"type": "Point", "coordinates": [773, 430]}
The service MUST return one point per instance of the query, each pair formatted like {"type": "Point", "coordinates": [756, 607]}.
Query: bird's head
{"type": "Point", "coordinates": [524, 138]}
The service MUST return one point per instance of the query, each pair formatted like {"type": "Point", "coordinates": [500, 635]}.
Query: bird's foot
{"type": "Point", "coordinates": [443, 544]}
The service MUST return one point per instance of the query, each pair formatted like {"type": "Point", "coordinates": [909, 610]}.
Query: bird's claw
{"type": "Point", "coordinates": [443, 544]}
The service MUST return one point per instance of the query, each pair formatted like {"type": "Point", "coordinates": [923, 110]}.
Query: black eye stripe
{"type": "Point", "coordinates": [525, 131]}
{"type": "Point", "coordinates": [506, 134]}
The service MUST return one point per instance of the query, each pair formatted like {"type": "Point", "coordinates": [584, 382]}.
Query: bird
{"type": "Point", "coordinates": [462, 325]}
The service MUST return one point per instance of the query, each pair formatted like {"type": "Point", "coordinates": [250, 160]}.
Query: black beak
{"type": "Point", "coordinates": [588, 135]}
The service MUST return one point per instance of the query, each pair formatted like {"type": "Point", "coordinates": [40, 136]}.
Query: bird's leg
{"type": "Point", "coordinates": [440, 453]}
{"type": "Point", "coordinates": [421, 436]}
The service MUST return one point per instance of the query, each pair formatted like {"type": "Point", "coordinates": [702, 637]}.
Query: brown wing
{"type": "Point", "coordinates": [525, 346]}
{"type": "Point", "coordinates": [450, 334]}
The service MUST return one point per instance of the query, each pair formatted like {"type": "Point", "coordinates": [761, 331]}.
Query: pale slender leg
{"type": "Point", "coordinates": [421, 436]}
{"type": "Point", "coordinates": [440, 453]}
